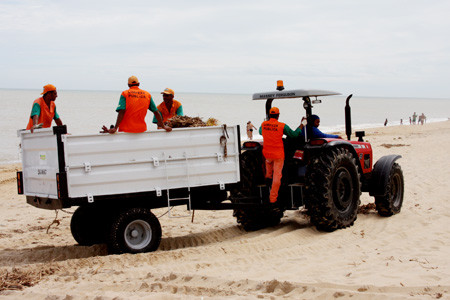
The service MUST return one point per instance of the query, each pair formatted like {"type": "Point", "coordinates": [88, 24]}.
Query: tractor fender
{"type": "Point", "coordinates": [339, 144]}
{"type": "Point", "coordinates": [380, 174]}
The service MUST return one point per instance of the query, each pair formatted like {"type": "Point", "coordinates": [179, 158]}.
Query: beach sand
{"type": "Point", "coordinates": [406, 256]}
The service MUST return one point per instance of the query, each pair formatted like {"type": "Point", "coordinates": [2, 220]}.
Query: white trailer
{"type": "Point", "coordinates": [116, 179]}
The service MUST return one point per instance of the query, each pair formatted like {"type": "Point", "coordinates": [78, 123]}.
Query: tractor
{"type": "Point", "coordinates": [325, 175]}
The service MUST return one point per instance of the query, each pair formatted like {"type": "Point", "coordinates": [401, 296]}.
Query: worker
{"type": "Point", "coordinates": [44, 110]}
{"type": "Point", "coordinates": [169, 107]}
{"type": "Point", "coordinates": [132, 109]}
{"type": "Point", "coordinates": [273, 149]}
{"type": "Point", "coordinates": [314, 122]}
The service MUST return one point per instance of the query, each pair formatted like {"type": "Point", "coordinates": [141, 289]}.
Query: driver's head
{"type": "Point", "coordinates": [314, 120]}
{"type": "Point", "coordinates": [274, 113]}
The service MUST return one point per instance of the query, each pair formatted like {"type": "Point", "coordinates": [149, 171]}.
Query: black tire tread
{"type": "Point", "coordinates": [251, 176]}
{"type": "Point", "coordinates": [385, 205]}
{"type": "Point", "coordinates": [319, 176]}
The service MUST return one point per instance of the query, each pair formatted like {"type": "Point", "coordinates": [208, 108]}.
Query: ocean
{"type": "Point", "coordinates": [86, 111]}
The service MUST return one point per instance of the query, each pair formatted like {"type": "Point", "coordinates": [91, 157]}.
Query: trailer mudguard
{"type": "Point", "coordinates": [380, 174]}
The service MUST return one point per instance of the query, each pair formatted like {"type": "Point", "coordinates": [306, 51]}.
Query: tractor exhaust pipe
{"type": "Point", "coordinates": [348, 118]}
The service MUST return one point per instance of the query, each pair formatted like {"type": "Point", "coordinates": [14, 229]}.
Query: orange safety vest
{"type": "Point", "coordinates": [272, 132]}
{"type": "Point", "coordinates": [137, 104]}
{"type": "Point", "coordinates": [166, 114]}
{"type": "Point", "coordinates": [46, 116]}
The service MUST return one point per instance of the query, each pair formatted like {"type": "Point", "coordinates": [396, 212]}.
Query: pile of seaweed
{"type": "Point", "coordinates": [17, 279]}
{"type": "Point", "coordinates": [186, 121]}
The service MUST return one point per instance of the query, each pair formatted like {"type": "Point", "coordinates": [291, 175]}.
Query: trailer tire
{"type": "Point", "coordinates": [391, 203]}
{"type": "Point", "coordinates": [252, 174]}
{"type": "Point", "coordinates": [135, 230]}
{"type": "Point", "coordinates": [333, 189]}
{"type": "Point", "coordinates": [88, 227]}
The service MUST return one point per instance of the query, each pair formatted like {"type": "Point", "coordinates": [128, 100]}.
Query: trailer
{"type": "Point", "coordinates": [116, 179]}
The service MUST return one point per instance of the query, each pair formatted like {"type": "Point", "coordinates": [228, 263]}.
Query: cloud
{"type": "Point", "coordinates": [237, 46]}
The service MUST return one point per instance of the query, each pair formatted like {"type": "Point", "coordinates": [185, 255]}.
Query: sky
{"type": "Point", "coordinates": [396, 48]}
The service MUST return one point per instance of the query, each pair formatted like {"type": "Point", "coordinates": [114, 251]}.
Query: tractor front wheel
{"type": "Point", "coordinates": [391, 203]}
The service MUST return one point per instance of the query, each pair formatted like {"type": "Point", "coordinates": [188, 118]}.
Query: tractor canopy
{"type": "Point", "coordinates": [292, 94]}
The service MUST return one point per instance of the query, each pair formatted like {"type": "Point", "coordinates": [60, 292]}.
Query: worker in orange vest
{"type": "Point", "coordinates": [169, 107]}
{"type": "Point", "coordinates": [44, 110]}
{"type": "Point", "coordinates": [132, 109]}
{"type": "Point", "coordinates": [273, 149]}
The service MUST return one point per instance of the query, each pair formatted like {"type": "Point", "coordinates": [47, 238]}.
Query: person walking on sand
{"type": "Point", "coordinates": [250, 128]}
{"type": "Point", "coordinates": [169, 107]}
{"type": "Point", "coordinates": [132, 109]}
{"type": "Point", "coordinates": [385, 122]}
{"type": "Point", "coordinates": [44, 110]}
{"type": "Point", "coordinates": [273, 150]}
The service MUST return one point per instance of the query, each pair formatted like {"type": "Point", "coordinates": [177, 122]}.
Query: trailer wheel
{"type": "Point", "coordinates": [88, 227]}
{"type": "Point", "coordinates": [135, 230]}
{"type": "Point", "coordinates": [391, 203]}
{"type": "Point", "coordinates": [252, 174]}
{"type": "Point", "coordinates": [333, 189]}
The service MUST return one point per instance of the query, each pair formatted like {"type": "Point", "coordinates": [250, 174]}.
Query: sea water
{"type": "Point", "coordinates": [85, 112]}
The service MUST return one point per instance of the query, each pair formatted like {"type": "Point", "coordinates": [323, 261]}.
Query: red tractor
{"type": "Point", "coordinates": [327, 176]}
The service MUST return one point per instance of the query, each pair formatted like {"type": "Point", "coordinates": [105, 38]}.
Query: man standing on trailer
{"type": "Point", "coordinates": [170, 107]}
{"type": "Point", "coordinates": [132, 109]}
{"type": "Point", "coordinates": [273, 149]}
{"type": "Point", "coordinates": [44, 110]}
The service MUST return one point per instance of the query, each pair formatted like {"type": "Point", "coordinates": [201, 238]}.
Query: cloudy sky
{"type": "Point", "coordinates": [395, 48]}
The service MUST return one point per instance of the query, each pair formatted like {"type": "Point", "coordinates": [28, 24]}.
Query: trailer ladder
{"type": "Point", "coordinates": [170, 201]}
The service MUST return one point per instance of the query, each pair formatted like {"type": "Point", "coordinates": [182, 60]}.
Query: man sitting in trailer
{"type": "Point", "coordinates": [132, 109]}
{"type": "Point", "coordinates": [170, 107]}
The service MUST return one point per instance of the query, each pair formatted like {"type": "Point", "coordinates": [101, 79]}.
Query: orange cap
{"type": "Point", "coordinates": [168, 91]}
{"type": "Point", "coordinates": [133, 80]}
{"type": "Point", "coordinates": [274, 111]}
{"type": "Point", "coordinates": [48, 88]}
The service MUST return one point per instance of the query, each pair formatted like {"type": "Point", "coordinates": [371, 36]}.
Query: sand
{"type": "Point", "coordinates": [406, 256]}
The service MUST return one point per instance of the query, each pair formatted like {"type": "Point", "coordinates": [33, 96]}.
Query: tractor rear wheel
{"type": "Point", "coordinates": [252, 174]}
{"type": "Point", "coordinates": [391, 203]}
{"type": "Point", "coordinates": [333, 188]}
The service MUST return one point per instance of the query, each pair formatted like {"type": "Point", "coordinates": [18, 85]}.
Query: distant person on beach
{"type": "Point", "coordinates": [44, 110]}
{"type": "Point", "coordinates": [169, 108]}
{"type": "Point", "coordinates": [409, 120]}
{"type": "Point", "coordinates": [401, 121]}
{"type": "Point", "coordinates": [385, 122]}
{"type": "Point", "coordinates": [250, 128]}
{"type": "Point", "coordinates": [132, 109]}
{"type": "Point", "coordinates": [314, 122]}
{"type": "Point", "coordinates": [273, 150]}
{"type": "Point", "coordinates": [414, 118]}
{"type": "Point", "coordinates": [422, 118]}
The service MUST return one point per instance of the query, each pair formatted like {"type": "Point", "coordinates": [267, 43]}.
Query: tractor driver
{"type": "Point", "coordinates": [273, 150]}
{"type": "Point", "coordinates": [314, 122]}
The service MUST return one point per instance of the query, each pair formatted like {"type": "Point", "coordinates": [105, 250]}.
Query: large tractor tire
{"type": "Point", "coordinates": [333, 189]}
{"type": "Point", "coordinates": [252, 174]}
{"type": "Point", "coordinates": [135, 230]}
{"type": "Point", "coordinates": [391, 203]}
{"type": "Point", "coordinates": [89, 226]}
